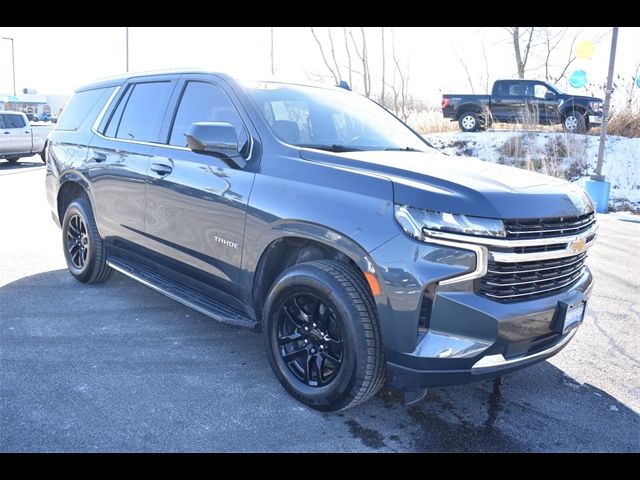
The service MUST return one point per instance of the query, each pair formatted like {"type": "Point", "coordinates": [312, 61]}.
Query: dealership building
{"type": "Point", "coordinates": [29, 101]}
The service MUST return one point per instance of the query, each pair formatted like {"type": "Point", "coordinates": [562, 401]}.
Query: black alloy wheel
{"type": "Point", "coordinates": [310, 339]}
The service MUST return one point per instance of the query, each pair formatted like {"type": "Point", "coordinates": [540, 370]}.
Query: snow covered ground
{"type": "Point", "coordinates": [572, 157]}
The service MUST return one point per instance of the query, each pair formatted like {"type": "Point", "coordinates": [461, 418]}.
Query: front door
{"type": "Point", "coordinates": [547, 108]}
{"type": "Point", "coordinates": [15, 134]}
{"type": "Point", "coordinates": [196, 203]}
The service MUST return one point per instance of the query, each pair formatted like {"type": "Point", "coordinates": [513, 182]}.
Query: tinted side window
{"type": "Point", "coordinates": [143, 112]}
{"type": "Point", "coordinates": [205, 102]}
{"type": "Point", "coordinates": [115, 118]}
{"type": "Point", "coordinates": [13, 121]}
{"type": "Point", "coordinates": [79, 106]}
{"type": "Point", "coordinates": [2, 121]}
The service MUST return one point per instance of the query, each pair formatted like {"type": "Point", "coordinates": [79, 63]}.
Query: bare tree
{"type": "Point", "coordinates": [364, 59]}
{"type": "Point", "coordinates": [333, 55]}
{"type": "Point", "coordinates": [486, 66]}
{"type": "Point", "coordinates": [272, 64]}
{"type": "Point", "coordinates": [382, 99]}
{"type": "Point", "coordinates": [324, 57]}
{"type": "Point", "coordinates": [552, 42]}
{"type": "Point", "coordinates": [521, 56]}
{"type": "Point", "coordinates": [346, 47]}
{"type": "Point", "coordinates": [466, 69]}
{"type": "Point", "coordinates": [400, 92]}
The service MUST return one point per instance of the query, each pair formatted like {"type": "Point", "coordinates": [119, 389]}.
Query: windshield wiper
{"type": "Point", "coordinates": [331, 148]}
{"type": "Point", "coordinates": [402, 149]}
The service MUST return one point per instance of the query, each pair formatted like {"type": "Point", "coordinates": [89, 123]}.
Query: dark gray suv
{"type": "Point", "coordinates": [317, 216]}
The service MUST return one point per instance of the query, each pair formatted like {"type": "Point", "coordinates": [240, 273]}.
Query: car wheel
{"type": "Point", "coordinates": [322, 335]}
{"type": "Point", "coordinates": [574, 122]}
{"type": "Point", "coordinates": [84, 250]}
{"type": "Point", "coordinates": [469, 121]}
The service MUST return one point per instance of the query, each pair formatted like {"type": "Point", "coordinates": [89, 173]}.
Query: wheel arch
{"type": "Point", "coordinates": [296, 242]}
{"type": "Point", "coordinates": [571, 108]}
{"type": "Point", "coordinates": [72, 185]}
{"type": "Point", "coordinates": [468, 107]}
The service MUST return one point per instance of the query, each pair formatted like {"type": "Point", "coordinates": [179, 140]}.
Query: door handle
{"type": "Point", "coordinates": [99, 157]}
{"type": "Point", "coordinates": [161, 168]}
{"type": "Point", "coordinates": [497, 101]}
{"type": "Point", "coordinates": [7, 133]}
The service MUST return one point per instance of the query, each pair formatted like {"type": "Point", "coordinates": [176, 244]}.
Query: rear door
{"type": "Point", "coordinates": [16, 133]}
{"type": "Point", "coordinates": [508, 101]}
{"type": "Point", "coordinates": [196, 203]}
{"type": "Point", "coordinates": [119, 155]}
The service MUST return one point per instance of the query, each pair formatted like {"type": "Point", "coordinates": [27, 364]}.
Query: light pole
{"type": "Point", "coordinates": [13, 69]}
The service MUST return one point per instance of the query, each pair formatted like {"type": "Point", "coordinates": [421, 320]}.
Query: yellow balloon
{"type": "Point", "coordinates": [585, 49]}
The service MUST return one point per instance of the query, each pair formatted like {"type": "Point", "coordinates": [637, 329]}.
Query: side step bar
{"type": "Point", "coordinates": [191, 298]}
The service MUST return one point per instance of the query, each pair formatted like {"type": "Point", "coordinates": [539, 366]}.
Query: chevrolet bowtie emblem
{"type": "Point", "coordinates": [578, 245]}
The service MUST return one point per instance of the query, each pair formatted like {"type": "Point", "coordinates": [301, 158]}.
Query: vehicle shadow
{"type": "Point", "coordinates": [118, 367]}
{"type": "Point", "coordinates": [22, 164]}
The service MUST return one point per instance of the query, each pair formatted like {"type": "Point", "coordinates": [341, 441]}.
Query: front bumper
{"type": "Point", "coordinates": [595, 119]}
{"type": "Point", "coordinates": [467, 336]}
{"type": "Point", "coordinates": [507, 337]}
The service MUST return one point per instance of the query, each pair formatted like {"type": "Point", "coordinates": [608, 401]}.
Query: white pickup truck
{"type": "Point", "coordinates": [19, 138]}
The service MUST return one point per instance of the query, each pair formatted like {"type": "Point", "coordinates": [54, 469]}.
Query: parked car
{"type": "Point", "coordinates": [18, 138]}
{"type": "Point", "coordinates": [48, 117]}
{"type": "Point", "coordinates": [523, 101]}
{"type": "Point", "coordinates": [315, 215]}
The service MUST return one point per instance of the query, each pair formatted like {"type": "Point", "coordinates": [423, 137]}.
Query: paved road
{"type": "Point", "coordinates": [117, 367]}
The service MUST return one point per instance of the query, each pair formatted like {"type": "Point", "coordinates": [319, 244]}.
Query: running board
{"type": "Point", "coordinates": [191, 298]}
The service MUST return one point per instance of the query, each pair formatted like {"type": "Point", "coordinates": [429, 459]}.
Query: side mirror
{"type": "Point", "coordinates": [550, 95]}
{"type": "Point", "coordinates": [218, 139]}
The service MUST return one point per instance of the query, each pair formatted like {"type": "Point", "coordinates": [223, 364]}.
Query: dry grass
{"type": "Point", "coordinates": [626, 124]}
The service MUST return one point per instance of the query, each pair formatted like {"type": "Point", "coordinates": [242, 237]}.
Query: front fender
{"type": "Point", "coordinates": [326, 236]}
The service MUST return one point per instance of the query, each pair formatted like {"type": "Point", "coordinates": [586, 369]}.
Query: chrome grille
{"type": "Point", "coordinates": [548, 227]}
{"type": "Point", "coordinates": [527, 280]}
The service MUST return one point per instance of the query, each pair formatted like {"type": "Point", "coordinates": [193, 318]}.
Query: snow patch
{"type": "Point", "coordinates": [568, 156]}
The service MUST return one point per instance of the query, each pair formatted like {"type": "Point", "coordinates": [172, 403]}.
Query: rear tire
{"type": "Point", "coordinates": [469, 121]}
{"type": "Point", "coordinates": [84, 250]}
{"type": "Point", "coordinates": [322, 335]}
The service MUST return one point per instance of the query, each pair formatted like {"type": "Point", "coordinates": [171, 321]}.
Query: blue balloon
{"type": "Point", "coordinates": [578, 79]}
{"type": "Point", "coordinates": [638, 81]}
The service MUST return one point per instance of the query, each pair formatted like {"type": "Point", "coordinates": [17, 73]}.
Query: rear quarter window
{"type": "Point", "coordinates": [79, 106]}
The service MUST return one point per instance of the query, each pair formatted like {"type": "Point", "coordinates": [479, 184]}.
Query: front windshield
{"type": "Point", "coordinates": [556, 88]}
{"type": "Point", "coordinates": [330, 119]}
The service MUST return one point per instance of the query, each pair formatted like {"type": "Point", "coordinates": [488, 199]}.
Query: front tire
{"type": "Point", "coordinates": [574, 122]}
{"type": "Point", "coordinates": [322, 335]}
{"type": "Point", "coordinates": [84, 250]}
{"type": "Point", "coordinates": [469, 121]}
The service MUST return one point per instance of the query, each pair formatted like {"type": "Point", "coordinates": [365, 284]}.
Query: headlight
{"type": "Point", "coordinates": [595, 106]}
{"type": "Point", "coordinates": [420, 223]}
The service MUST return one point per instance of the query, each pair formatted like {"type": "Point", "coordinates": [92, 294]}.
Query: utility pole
{"type": "Point", "coordinates": [13, 70]}
{"type": "Point", "coordinates": [605, 110]}
{"type": "Point", "coordinates": [127, 47]}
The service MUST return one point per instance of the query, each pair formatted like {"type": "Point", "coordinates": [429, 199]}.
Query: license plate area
{"type": "Point", "coordinates": [569, 317]}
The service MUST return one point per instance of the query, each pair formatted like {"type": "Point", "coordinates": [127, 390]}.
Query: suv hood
{"type": "Point", "coordinates": [464, 185]}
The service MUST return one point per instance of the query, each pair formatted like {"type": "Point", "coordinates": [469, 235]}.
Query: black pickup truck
{"type": "Point", "coordinates": [529, 102]}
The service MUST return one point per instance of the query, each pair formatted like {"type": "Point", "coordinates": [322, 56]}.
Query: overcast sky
{"type": "Point", "coordinates": [58, 59]}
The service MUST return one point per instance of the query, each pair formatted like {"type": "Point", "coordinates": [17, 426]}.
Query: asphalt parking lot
{"type": "Point", "coordinates": [118, 367]}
